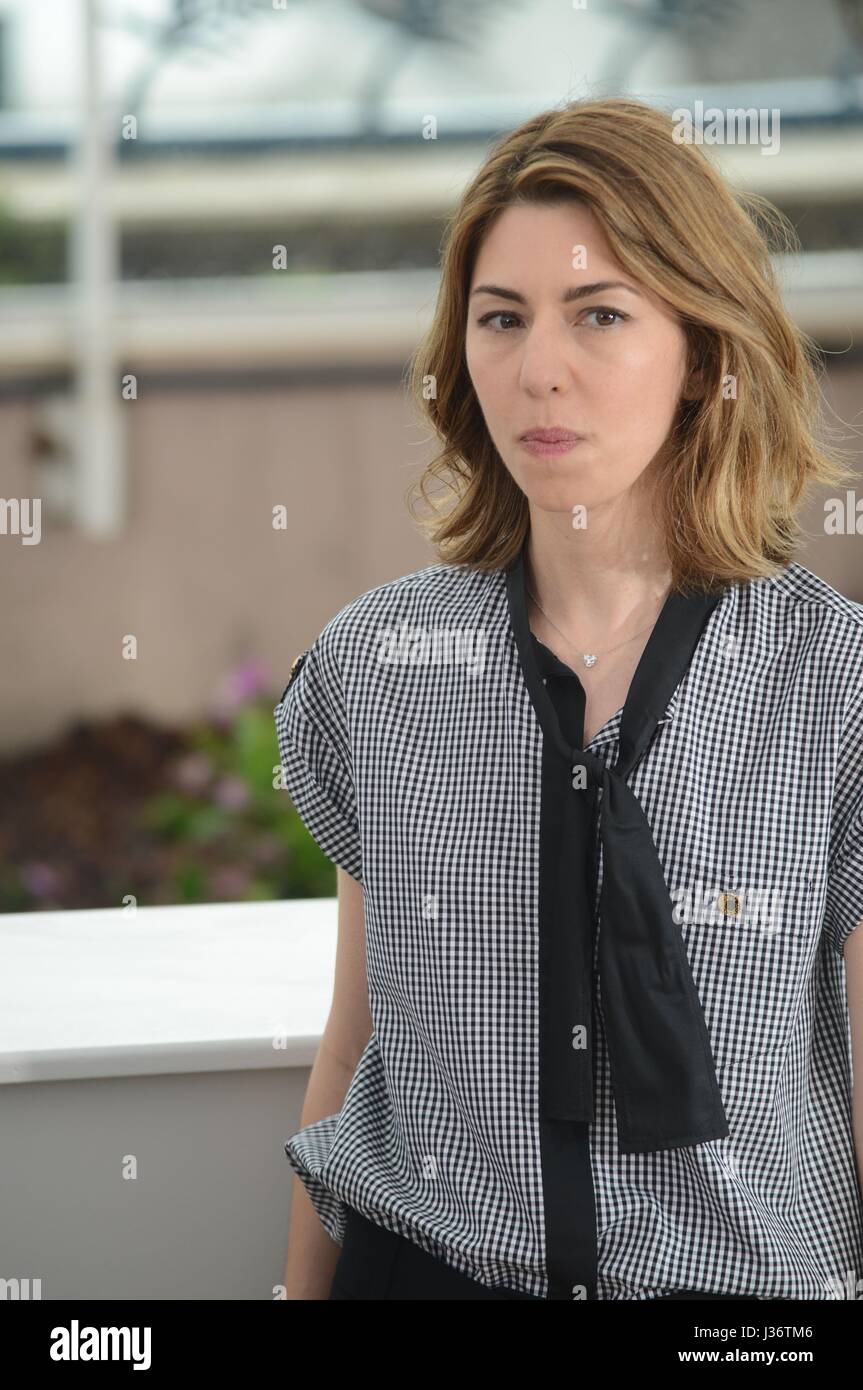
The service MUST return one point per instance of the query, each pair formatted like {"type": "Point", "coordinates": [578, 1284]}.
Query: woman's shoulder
{"type": "Point", "coordinates": [439, 595]}
{"type": "Point", "coordinates": [801, 620]}
{"type": "Point", "coordinates": [438, 598]}
{"type": "Point", "coordinates": [781, 600]}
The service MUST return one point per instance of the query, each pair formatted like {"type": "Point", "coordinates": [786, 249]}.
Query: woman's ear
{"type": "Point", "coordinates": [693, 386]}
{"type": "Point", "coordinates": [697, 356]}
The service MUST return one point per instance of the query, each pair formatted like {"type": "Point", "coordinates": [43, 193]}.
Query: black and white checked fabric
{"type": "Point", "coordinates": [411, 749]}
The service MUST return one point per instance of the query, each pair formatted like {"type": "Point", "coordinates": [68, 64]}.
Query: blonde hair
{"type": "Point", "coordinates": [730, 481]}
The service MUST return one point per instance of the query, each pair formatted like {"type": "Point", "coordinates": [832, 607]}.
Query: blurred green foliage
{"type": "Point", "coordinates": [238, 833]}
{"type": "Point", "coordinates": [31, 253]}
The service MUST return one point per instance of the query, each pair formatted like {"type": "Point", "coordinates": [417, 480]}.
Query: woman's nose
{"type": "Point", "coordinates": [546, 359]}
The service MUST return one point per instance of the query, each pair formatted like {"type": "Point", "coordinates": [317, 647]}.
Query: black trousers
{"type": "Point", "coordinates": [376, 1263]}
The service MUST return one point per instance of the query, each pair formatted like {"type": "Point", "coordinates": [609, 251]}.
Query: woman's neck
{"type": "Point", "coordinates": [596, 588]}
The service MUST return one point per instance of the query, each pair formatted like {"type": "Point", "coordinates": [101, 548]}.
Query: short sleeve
{"type": "Point", "coordinates": [844, 905]}
{"type": "Point", "coordinates": [307, 1151]}
{"type": "Point", "coordinates": [316, 761]}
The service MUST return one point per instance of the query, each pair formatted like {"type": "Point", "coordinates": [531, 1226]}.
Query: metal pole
{"type": "Point", "coordinates": [99, 491]}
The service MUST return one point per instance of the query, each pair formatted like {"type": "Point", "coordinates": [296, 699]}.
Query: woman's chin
{"type": "Point", "coordinates": [558, 494]}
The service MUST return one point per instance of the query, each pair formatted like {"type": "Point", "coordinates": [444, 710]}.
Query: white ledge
{"type": "Point", "coordinates": [210, 987]}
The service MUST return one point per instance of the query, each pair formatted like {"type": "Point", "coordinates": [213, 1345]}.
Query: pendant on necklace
{"type": "Point", "coordinates": [588, 658]}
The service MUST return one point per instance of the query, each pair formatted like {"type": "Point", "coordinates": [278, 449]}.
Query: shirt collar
{"type": "Point", "coordinates": [538, 662]}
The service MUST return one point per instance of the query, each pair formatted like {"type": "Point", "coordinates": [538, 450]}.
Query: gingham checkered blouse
{"type": "Point", "coordinates": [412, 749]}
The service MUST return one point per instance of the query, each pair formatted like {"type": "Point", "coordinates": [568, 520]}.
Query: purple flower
{"type": "Point", "coordinates": [41, 880]}
{"type": "Point", "coordinates": [243, 685]}
{"type": "Point", "coordinates": [230, 883]}
{"type": "Point", "coordinates": [231, 793]}
{"type": "Point", "coordinates": [192, 772]}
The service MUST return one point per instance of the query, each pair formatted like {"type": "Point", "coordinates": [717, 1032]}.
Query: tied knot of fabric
{"type": "Point", "coordinates": [596, 771]}
{"type": "Point", "coordinates": [662, 1070]}
{"type": "Point", "coordinates": [640, 985]}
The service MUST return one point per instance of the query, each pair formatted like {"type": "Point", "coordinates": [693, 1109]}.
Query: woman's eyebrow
{"type": "Point", "coordinates": [573, 292]}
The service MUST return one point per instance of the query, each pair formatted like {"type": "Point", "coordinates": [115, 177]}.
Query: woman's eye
{"type": "Point", "coordinates": [617, 314]}
{"type": "Point", "coordinates": [496, 314]}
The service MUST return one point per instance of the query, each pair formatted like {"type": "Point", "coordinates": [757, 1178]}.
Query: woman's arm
{"type": "Point", "coordinates": [854, 982]}
{"type": "Point", "coordinates": [312, 1255]}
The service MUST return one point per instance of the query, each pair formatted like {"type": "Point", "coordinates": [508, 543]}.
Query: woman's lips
{"type": "Point", "coordinates": [535, 444]}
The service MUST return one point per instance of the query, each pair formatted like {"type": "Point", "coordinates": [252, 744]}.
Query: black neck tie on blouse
{"type": "Point", "coordinates": [662, 1070]}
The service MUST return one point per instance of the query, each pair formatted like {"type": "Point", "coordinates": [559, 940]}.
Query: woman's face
{"type": "Point", "coordinates": [547, 349]}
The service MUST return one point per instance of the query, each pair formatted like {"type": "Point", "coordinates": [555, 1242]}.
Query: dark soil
{"type": "Point", "coordinates": [69, 817]}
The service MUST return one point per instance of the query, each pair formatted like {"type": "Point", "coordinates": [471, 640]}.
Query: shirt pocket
{"type": "Point", "coordinates": [750, 951]}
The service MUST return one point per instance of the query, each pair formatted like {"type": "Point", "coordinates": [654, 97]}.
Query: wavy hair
{"type": "Point", "coordinates": [731, 477]}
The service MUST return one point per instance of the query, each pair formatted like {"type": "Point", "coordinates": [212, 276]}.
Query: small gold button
{"type": "Point", "coordinates": [295, 666]}
{"type": "Point", "coordinates": [729, 904]}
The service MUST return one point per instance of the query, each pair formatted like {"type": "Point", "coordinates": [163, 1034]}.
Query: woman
{"type": "Point", "coordinates": [593, 781]}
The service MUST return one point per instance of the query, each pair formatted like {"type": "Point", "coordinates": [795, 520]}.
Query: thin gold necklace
{"type": "Point", "coordinates": [589, 658]}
